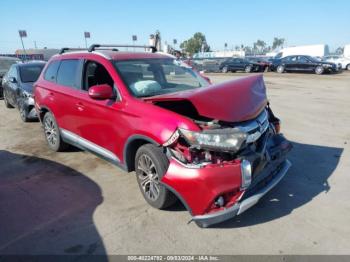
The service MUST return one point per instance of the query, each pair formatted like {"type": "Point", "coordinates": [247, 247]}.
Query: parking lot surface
{"type": "Point", "coordinates": [75, 203]}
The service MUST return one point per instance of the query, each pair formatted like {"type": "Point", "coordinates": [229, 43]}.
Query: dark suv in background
{"type": "Point", "coordinates": [18, 88]}
{"type": "Point", "coordinates": [5, 64]}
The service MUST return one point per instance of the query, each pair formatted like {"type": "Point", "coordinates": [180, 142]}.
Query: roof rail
{"type": "Point", "coordinates": [65, 49]}
{"type": "Point", "coordinates": [94, 46]}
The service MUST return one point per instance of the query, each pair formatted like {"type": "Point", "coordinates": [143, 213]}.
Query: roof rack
{"type": "Point", "coordinates": [110, 47]}
{"type": "Point", "coordinates": [65, 49]}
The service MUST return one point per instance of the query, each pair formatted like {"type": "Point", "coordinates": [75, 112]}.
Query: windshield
{"type": "Point", "coordinates": [30, 73]}
{"type": "Point", "coordinates": [150, 77]}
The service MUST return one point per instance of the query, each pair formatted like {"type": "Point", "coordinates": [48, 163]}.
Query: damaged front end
{"type": "Point", "coordinates": [226, 167]}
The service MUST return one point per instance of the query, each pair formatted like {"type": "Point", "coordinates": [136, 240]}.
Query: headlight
{"type": "Point", "coordinates": [26, 94]}
{"type": "Point", "coordinates": [229, 139]}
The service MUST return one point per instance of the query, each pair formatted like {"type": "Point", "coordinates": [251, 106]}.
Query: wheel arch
{"type": "Point", "coordinates": [131, 146]}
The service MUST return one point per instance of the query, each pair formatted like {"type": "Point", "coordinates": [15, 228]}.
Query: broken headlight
{"type": "Point", "coordinates": [227, 139]}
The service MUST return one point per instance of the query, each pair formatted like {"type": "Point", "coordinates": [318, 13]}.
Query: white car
{"type": "Point", "coordinates": [345, 62]}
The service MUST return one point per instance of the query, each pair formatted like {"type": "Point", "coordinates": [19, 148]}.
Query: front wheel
{"type": "Point", "coordinates": [150, 166]}
{"type": "Point", "coordinates": [23, 112]}
{"type": "Point", "coordinates": [348, 67]}
{"type": "Point", "coordinates": [224, 69]}
{"type": "Point", "coordinates": [248, 69]}
{"type": "Point", "coordinates": [319, 70]}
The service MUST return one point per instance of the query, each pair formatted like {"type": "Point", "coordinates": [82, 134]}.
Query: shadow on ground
{"type": "Point", "coordinates": [46, 208]}
{"type": "Point", "coordinates": [307, 178]}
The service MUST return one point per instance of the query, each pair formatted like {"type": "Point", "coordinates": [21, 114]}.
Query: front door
{"type": "Point", "coordinates": [100, 121]}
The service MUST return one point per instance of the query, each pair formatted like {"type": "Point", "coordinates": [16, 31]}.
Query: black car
{"type": "Point", "coordinates": [240, 64]}
{"type": "Point", "coordinates": [18, 88]}
{"type": "Point", "coordinates": [303, 63]}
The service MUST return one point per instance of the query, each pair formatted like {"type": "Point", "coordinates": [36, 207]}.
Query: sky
{"type": "Point", "coordinates": [61, 23]}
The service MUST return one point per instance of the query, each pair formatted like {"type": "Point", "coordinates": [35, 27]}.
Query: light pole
{"type": "Point", "coordinates": [175, 42]}
{"type": "Point", "coordinates": [86, 35]}
{"type": "Point", "coordinates": [23, 33]}
{"type": "Point", "coordinates": [134, 39]}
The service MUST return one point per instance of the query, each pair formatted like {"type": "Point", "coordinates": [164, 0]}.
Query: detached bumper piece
{"type": "Point", "coordinates": [270, 182]}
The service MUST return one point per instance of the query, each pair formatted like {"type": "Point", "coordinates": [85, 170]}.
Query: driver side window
{"type": "Point", "coordinates": [96, 74]}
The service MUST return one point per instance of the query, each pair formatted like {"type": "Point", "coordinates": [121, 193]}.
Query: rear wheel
{"type": "Point", "coordinates": [348, 67]}
{"type": "Point", "coordinates": [248, 69]}
{"type": "Point", "coordinates": [7, 103]}
{"type": "Point", "coordinates": [224, 69]}
{"type": "Point", "coordinates": [150, 166]}
{"type": "Point", "coordinates": [319, 70]}
{"type": "Point", "coordinates": [280, 69]}
{"type": "Point", "coordinates": [52, 134]}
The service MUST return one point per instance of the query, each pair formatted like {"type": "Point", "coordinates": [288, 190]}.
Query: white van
{"type": "Point", "coordinates": [346, 51]}
{"type": "Point", "coordinates": [310, 50]}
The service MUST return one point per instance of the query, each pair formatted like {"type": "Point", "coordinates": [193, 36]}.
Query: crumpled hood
{"type": "Point", "coordinates": [28, 87]}
{"type": "Point", "coordinates": [231, 101]}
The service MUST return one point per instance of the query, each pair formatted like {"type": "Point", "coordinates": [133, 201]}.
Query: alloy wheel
{"type": "Point", "coordinates": [50, 131]}
{"type": "Point", "coordinates": [280, 69]}
{"type": "Point", "coordinates": [149, 178]}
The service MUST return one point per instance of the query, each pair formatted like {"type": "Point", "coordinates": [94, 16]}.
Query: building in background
{"type": "Point", "coordinates": [44, 53]}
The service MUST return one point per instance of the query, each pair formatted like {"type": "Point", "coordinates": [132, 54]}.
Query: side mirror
{"type": "Point", "coordinates": [13, 80]}
{"type": "Point", "coordinates": [101, 92]}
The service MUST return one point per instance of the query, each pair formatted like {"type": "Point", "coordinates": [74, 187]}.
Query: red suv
{"type": "Point", "coordinates": [216, 148]}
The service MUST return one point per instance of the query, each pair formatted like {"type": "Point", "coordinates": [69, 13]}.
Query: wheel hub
{"type": "Point", "coordinates": [148, 176]}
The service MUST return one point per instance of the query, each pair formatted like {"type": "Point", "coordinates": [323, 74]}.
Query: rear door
{"type": "Point", "coordinates": [291, 63]}
{"type": "Point", "coordinates": [63, 96]}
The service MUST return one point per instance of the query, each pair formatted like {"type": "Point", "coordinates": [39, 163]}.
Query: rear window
{"type": "Point", "coordinates": [30, 73]}
{"type": "Point", "coordinates": [67, 74]}
{"type": "Point", "coordinates": [51, 71]}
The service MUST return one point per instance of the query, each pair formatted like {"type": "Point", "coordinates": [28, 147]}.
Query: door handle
{"type": "Point", "coordinates": [80, 106]}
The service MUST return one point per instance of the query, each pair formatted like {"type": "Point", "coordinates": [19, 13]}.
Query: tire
{"type": "Point", "coordinates": [280, 69]}
{"type": "Point", "coordinates": [23, 113]}
{"type": "Point", "coordinates": [348, 67]}
{"type": "Point", "coordinates": [224, 70]}
{"type": "Point", "coordinates": [52, 134]}
{"type": "Point", "coordinates": [150, 166]}
{"type": "Point", "coordinates": [248, 69]}
{"type": "Point", "coordinates": [319, 70]}
{"type": "Point", "coordinates": [7, 103]}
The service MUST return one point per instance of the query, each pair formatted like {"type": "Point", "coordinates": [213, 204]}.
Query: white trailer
{"type": "Point", "coordinates": [347, 51]}
{"type": "Point", "coordinates": [311, 50]}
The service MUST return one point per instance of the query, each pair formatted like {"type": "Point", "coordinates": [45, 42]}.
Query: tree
{"type": "Point", "coordinates": [259, 47]}
{"type": "Point", "coordinates": [339, 51]}
{"type": "Point", "coordinates": [195, 44]}
{"type": "Point", "coordinates": [277, 42]}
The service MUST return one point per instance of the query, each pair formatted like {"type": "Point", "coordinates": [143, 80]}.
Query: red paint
{"type": "Point", "coordinates": [109, 123]}
{"type": "Point", "coordinates": [200, 186]}
{"type": "Point", "coordinates": [232, 101]}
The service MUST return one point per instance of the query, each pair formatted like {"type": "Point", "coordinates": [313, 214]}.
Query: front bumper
{"type": "Point", "coordinates": [198, 187]}
{"type": "Point", "coordinates": [240, 207]}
